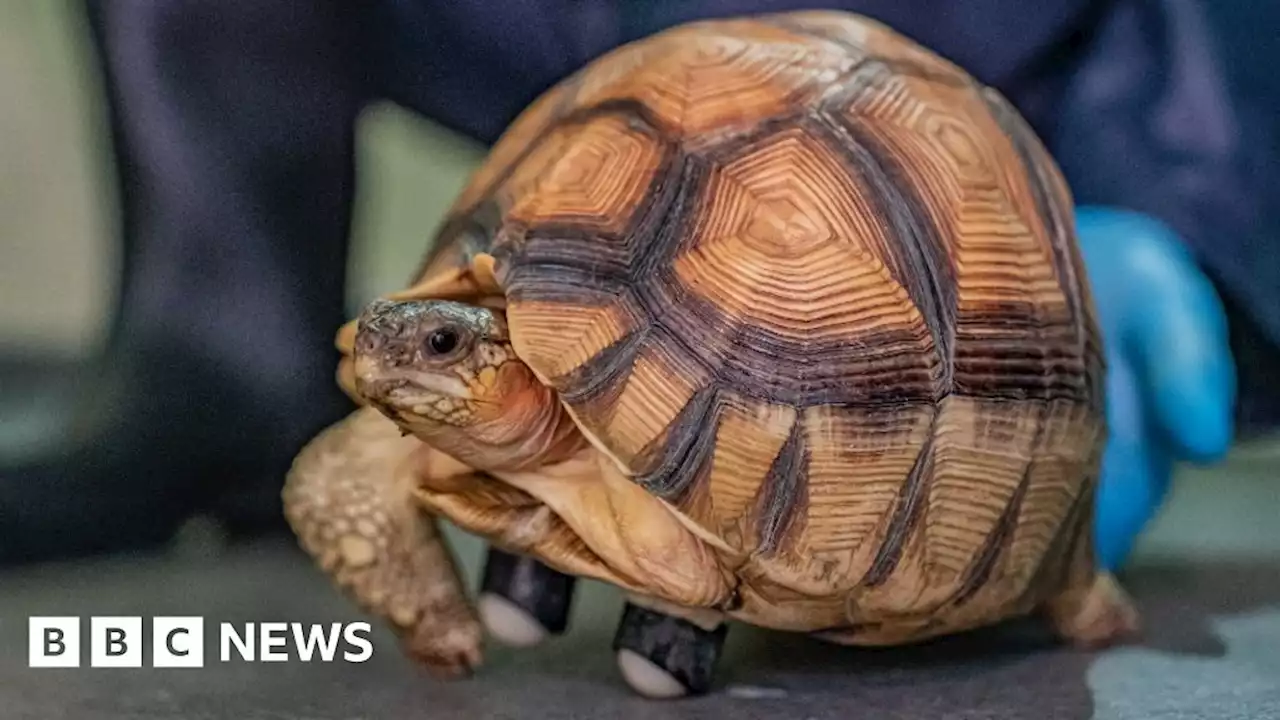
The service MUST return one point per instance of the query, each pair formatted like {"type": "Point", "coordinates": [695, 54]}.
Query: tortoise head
{"type": "Point", "coordinates": [446, 372]}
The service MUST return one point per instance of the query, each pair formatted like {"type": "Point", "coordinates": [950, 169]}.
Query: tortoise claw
{"type": "Point", "coordinates": [453, 655]}
{"type": "Point", "coordinates": [522, 601]}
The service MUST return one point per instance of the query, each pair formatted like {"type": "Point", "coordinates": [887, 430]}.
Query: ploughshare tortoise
{"type": "Point", "coordinates": [776, 319]}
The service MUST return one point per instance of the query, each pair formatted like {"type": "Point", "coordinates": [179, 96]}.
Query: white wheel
{"type": "Point", "coordinates": [648, 679]}
{"type": "Point", "coordinates": [509, 623]}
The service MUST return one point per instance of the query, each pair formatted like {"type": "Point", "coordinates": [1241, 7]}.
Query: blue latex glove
{"type": "Point", "coordinates": [1171, 380]}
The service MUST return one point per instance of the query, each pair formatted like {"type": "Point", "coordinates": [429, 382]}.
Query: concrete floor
{"type": "Point", "coordinates": [1207, 579]}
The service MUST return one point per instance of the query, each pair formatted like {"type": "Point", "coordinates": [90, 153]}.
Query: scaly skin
{"type": "Point", "coordinates": [349, 499]}
{"type": "Point", "coordinates": [350, 496]}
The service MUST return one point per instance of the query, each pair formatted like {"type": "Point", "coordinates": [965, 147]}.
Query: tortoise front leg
{"type": "Point", "coordinates": [522, 601]}
{"type": "Point", "coordinates": [665, 651]}
{"type": "Point", "coordinates": [349, 498]}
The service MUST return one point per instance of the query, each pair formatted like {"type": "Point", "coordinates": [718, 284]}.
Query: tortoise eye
{"type": "Point", "coordinates": [442, 341]}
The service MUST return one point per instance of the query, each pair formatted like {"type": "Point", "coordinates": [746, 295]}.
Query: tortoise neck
{"type": "Point", "coordinates": [531, 431]}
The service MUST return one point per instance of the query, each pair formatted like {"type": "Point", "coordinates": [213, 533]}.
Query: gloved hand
{"type": "Point", "coordinates": [1171, 380]}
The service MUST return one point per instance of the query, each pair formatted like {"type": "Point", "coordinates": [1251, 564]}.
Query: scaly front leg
{"type": "Point", "coordinates": [350, 499]}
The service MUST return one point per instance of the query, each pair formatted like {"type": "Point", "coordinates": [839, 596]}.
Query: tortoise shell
{"type": "Point", "coordinates": [817, 289]}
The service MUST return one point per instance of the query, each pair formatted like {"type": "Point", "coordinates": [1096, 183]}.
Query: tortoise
{"type": "Point", "coordinates": [777, 319]}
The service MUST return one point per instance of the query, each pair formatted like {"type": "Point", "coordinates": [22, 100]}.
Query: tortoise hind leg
{"type": "Point", "coordinates": [666, 652]}
{"type": "Point", "coordinates": [1091, 610]}
{"type": "Point", "coordinates": [349, 499]}
{"type": "Point", "coordinates": [522, 601]}
{"type": "Point", "coordinates": [1095, 615]}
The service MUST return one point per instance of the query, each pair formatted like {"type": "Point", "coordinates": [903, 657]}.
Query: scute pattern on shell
{"type": "Point", "coordinates": [817, 288]}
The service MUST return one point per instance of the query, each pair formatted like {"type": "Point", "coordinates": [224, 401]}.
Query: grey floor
{"type": "Point", "coordinates": [1207, 578]}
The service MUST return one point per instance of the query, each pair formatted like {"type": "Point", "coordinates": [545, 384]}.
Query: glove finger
{"type": "Point", "coordinates": [1135, 479]}
{"type": "Point", "coordinates": [1135, 470]}
{"type": "Point", "coordinates": [1181, 345]}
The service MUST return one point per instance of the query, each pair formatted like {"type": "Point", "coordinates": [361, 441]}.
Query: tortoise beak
{"type": "Point", "coordinates": [345, 340]}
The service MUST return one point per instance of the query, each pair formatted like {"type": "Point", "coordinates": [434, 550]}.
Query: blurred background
{"type": "Point", "coordinates": [62, 265]}
{"type": "Point", "coordinates": [59, 216]}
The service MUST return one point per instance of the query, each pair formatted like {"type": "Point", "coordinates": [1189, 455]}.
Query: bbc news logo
{"type": "Point", "coordinates": [178, 642]}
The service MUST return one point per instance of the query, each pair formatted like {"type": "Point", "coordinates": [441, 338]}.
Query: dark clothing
{"type": "Point", "coordinates": [234, 122]}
